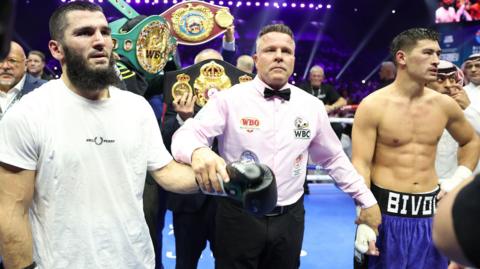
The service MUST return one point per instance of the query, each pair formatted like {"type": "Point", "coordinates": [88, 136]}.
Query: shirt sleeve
{"type": "Point", "coordinates": [18, 137]}
{"type": "Point", "coordinates": [326, 150]}
{"type": "Point", "coordinates": [230, 46]}
{"type": "Point", "coordinates": [472, 114]}
{"type": "Point", "coordinates": [158, 156]}
{"type": "Point", "coordinates": [199, 131]}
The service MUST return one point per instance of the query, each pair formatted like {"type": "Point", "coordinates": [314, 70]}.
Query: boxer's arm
{"type": "Point", "coordinates": [176, 177]}
{"type": "Point", "coordinates": [364, 135]}
{"type": "Point", "coordinates": [463, 133]}
{"type": "Point", "coordinates": [16, 193]}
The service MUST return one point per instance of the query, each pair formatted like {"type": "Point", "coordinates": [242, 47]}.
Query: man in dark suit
{"type": "Point", "coordinates": [193, 214]}
{"type": "Point", "coordinates": [15, 82]}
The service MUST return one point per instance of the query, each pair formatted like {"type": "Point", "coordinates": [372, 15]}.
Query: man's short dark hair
{"type": "Point", "coordinates": [38, 53]}
{"type": "Point", "coordinates": [279, 28]}
{"type": "Point", "coordinates": [406, 40]}
{"type": "Point", "coordinates": [58, 20]}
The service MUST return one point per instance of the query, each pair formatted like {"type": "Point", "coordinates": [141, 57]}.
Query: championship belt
{"type": "Point", "coordinates": [148, 45]}
{"type": "Point", "coordinates": [202, 79]}
{"type": "Point", "coordinates": [197, 22]}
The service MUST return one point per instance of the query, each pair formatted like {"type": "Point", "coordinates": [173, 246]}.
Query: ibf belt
{"type": "Point", "coordinates": [197, 22]}
{"type": "Point", "coordinates": [148, 45]}
{"type": "Point", "coordinates": [412, 205]}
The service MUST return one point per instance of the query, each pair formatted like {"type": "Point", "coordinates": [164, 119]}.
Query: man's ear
{"type": "Point", "coordinates": [56, 50]}
{"type": "Point", "coordinates": [401, 57]}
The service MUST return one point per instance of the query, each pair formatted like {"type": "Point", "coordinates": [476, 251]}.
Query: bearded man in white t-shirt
{"type": "Point", "coordinates": [74, 156]}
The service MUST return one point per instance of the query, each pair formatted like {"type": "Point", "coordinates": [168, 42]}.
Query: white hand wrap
{"type": "Point", "coordinates": [364, 235]}
{"type": "Point", "coordinates": [460, 175]}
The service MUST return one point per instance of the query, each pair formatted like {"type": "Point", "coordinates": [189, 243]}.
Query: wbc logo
{"type": "Point", "coordinates": [301, 130]}
{"type": "Point", "coordinates": [249, 124]}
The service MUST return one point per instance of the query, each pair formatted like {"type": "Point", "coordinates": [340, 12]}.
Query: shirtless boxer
{"type": "Point", "coordinates": [395, 135]}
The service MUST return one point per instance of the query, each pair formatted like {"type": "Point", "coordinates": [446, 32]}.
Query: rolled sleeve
{"type": "Point", "coordinates": [199, 131]}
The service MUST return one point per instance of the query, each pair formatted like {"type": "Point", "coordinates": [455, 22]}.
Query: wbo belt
{"type": "Point", "coordinates": [412, 205]}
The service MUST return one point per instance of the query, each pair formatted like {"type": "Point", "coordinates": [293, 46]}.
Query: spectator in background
{"type": "Point", "coordinates": [386, 73]}
{"type": "Point", "coordinates": [446, 12]}
{"type": "Point", "coordinates": [474, 9]}
{"type": "Point", "coordinates": [36, 65]}
{"type": "Point", "coordinates": [329, 96]}
{"type": "Point", "coordinates": [245, 63]}
{"type": "Point", "coordinates": [15, 82]}
{"type": "Point", "coordinates": [472, 74]}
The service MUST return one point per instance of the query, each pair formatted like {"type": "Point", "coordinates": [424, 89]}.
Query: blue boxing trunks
{"type": "Point", "coordinates": [405, 235]}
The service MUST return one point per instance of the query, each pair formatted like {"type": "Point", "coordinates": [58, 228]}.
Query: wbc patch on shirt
{"type": "Point", "coordinates": [302, 130]}
{"type": "Point", "coordinates": [249, 124]}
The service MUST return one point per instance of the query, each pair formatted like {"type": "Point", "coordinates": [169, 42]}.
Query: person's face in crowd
{"type": "Point", "coordinates": [447, 2]}
{"type": "Point", "coordinates": [35, 64]}
{"type": "Point", "coordinates": [12, 68]}
{"type": "Point", "coordinates": [422, 60]}
{"type": "Point", "coordinates": [208, 55]}
{"type": "Point", "coordinates": [275, 58]}
{"type": "Point", "coordinates": [86, 51]}
{"type": "Point", "coordinates": [444, 83]}
{"type": "Point", "coordinates": [472, 71]}
{"type": "Point", "coordinates": [316, 77]}
{"type": "Point", "coordinates": [386, 72]}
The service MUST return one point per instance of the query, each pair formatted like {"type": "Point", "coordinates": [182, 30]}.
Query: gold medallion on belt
{"type": "Point", "coordinates": [181, 87]}
{"type": "Point", "coordinates": [212, 79]}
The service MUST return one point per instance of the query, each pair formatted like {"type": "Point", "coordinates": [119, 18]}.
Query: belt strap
{"type": "Point", "coordinates": [123, 7]}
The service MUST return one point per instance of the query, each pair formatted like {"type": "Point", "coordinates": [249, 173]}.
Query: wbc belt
{"type": "Point", "coordinates": [401, 204]}
{"type": "Point", "coordinates": [148, 45]}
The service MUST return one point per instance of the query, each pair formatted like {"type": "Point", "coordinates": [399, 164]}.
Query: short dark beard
{"type": "Point", "coordinates": [85, 78]}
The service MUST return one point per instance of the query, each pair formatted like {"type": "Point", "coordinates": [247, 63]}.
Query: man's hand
{"type": "Point", "coordinates": [460, 96]}
{"type": "Point", "coordinates": [230, 34]}
{"type": "Point", "coordinates": [372, 218]}
{"type": "Point", "coordinates": [184, 106]}
{"type": "Point", "coordinates": [209, 168]}
{"type": "Point", "coordinates": [454, 265]}
{"type": "Point", "coordinates": [329, 108]}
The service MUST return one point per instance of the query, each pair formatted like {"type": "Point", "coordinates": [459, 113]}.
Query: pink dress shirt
{"type": "Point", "coordinates": [280, 133]}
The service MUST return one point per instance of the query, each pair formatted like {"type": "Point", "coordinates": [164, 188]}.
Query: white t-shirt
{"type": "Point", "coordinates": [91, 159]}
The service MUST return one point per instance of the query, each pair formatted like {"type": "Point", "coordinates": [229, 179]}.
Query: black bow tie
{"type": "Point", "coordinates": [283, 94]}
